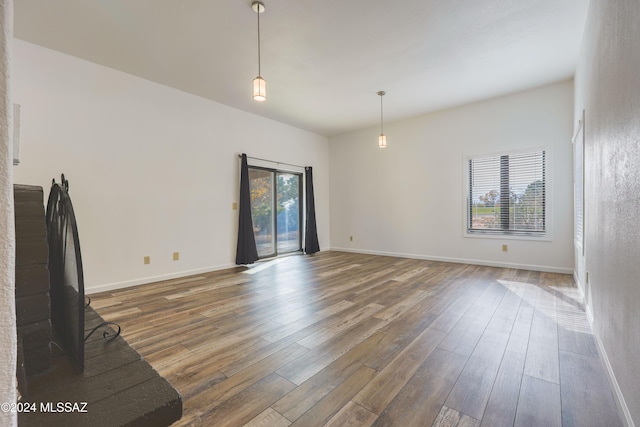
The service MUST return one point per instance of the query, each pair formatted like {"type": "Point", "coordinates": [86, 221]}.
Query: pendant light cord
{"type": "Point", "coordinates": [258, 13]}
{"type": "Point", "coordinates": [381, 117]}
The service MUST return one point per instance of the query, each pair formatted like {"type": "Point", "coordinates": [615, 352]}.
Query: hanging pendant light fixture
{"type": "Point", "coordinates": [382, 139]}
{"type": "Point", "coordinates": [259, 84]}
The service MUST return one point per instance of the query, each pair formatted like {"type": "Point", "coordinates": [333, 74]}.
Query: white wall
{"type": "Point", "coordinates": [608, 89]}
{"type": "Point", "coordinates": [8, 348]}
{"type": "Point", "coordinates": [152, 170]}
{"type": "Point", "coordinates": [408, 199]}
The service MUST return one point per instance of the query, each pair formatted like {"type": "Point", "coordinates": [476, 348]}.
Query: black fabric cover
{"type": "Point", "coordinates": [311, 244]}
{"type": "Point", "coordinates": [66, 276]}
{"type": "Point", "coordinates": [246, 252]}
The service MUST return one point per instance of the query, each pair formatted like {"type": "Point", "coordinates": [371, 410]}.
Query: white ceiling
{"type": "Point", "coordinates": [323, 60]}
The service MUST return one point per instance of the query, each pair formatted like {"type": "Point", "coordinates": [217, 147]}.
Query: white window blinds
{"type": "Point", "coordinates": [578, 185]}
{"type": "Point", "coordinates": [507, 194]}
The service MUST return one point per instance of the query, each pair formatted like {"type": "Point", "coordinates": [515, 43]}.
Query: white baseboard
{"type": "Point", "coordinates": [461, 260]}
{"type": "Point", "coordinates": [587, 307]}
{"type": "Point", "coordinates": [614, 383]}
{"type": "Point", "coordinates": [144, 280]}
{"type": "Point", "coordinates": [622, 404]}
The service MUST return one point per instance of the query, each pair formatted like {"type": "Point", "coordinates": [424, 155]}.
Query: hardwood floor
{"type": "Point", "coordinates": [347, 339]}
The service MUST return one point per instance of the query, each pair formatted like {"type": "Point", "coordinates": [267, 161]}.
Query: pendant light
{"type": "Point", "coordinates": [382, 139]}
{"type": "Point", "coordinates": [259, 84]}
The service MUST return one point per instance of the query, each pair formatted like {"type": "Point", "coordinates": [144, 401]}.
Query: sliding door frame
{"type": "Point", "coordinates": [274, 207]}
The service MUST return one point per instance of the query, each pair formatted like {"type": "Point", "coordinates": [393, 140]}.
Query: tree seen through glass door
{"type": "Point", "coordinates": [288, 221]}
{"type": "Point", "coordinates": [275, 211]}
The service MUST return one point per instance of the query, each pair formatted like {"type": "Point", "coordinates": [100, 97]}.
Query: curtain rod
{"type": "Point", "coordinates": [271, 161]}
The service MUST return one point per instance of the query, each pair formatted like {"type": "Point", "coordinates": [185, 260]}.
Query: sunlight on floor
{"type": "Point", "coordinates": [253, 269]}
{"type": "Point", "coordinates": [561, 303]}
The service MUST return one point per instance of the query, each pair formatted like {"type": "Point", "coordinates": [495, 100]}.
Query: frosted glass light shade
{"type": "Point", "coordinates": [382, 141]}
{"type": "Point", "coordinates": [259, 89]}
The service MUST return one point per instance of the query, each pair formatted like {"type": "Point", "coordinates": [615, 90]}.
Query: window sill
{"type": "Point", "coordinates": [509, 236]}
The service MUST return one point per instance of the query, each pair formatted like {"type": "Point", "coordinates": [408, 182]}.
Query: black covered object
{"type": "Point", "coordinates": [65, 272]}
{"type": "Point", "coordinates": [311, 244]}
{"type": "Point", "coordinates": [246, 251]}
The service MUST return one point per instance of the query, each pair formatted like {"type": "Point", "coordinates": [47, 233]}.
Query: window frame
{"type": "Point", "coordinates": [301, 203]}
{"type": "Point", "coordinates": [546, 235]}
{"type": "Point", "coordinates": [578, 152]}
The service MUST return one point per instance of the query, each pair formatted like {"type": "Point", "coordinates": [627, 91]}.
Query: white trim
{"type": "Point", "coordinates": [579, 142]}
{"type": "Point", "coordinates": [622, 404]}
{"type": "Point", "coordinates": [531, 267]}
{"type": "Point", "coordinates": [587, 308]}
{"type": "Point", "coordinates": [508, 236]}
{"type": "Point", "coordinates": [576, 280]}
{"type": "Point", "coordinates": [151, 279]}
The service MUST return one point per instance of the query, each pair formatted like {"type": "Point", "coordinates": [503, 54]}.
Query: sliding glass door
{"type": "Point", "coordinates": [276, 210]}
{"type": "Point", "coordinates": [289, 211]}
{"type": "Point", "coordinates": [261, 184]}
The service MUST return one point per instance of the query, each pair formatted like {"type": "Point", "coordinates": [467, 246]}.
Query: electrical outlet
{"type": "Point", "coordinates": [351, 238]}
{"type": "Point", "coordinates": [234, 206]}
{"type": "Point", "coordinates": [505, 248]}
{"type": "Point", "coordinates": [147, 260]}
{"type": "Point", "coordinates": [176, 256]}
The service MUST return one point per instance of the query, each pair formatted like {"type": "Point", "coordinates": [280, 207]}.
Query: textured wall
{"type": "Point", "coordinates": [608, 89]}
{"type": "Point", "coordinates": [7, 229]}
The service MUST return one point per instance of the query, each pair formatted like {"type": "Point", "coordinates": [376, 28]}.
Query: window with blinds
{"type": "Point", "coordinates": [507, 194]}
{"type": "Point", "coordinates": [578, 185]}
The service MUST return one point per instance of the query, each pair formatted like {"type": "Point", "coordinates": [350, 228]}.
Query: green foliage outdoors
{"type": "Point", "coordinates": [262, 203]}
{"type": "Point", "coordinates": [526, 212]}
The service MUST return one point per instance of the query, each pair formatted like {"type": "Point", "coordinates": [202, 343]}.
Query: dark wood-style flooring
{"type": "Point", "coordinates": [347, 339]}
